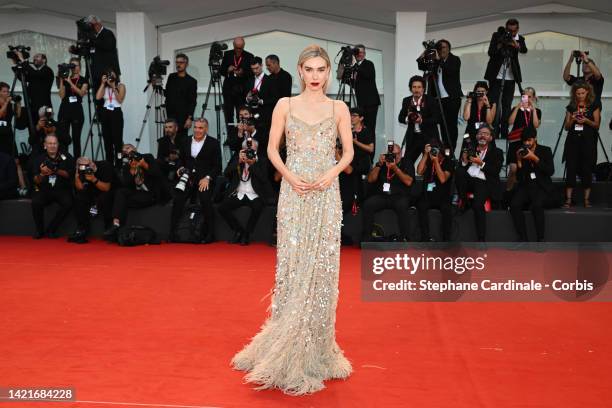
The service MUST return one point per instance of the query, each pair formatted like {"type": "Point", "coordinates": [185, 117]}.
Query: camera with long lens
{"type": "Point", "coordinates": [347, 56]}
{"type": "Point", "coordinates": [157, 69]}
{"type": "Point", "coordinates": [133, 155]}
{"type": "Point", "coordinates": [390, 156]}
{"type": "Point", "coordinates": [85, 170]}
{"type": "Point", "coordinates": [468, 146]}
{"type": "Point", "coordinates": [214, 58]}
{"type": "Point", "coordinates": [474, 95]}
{"type": "Point", "coordinates": [48, 116]}
{"type": "Point", "coordinates": [86, 33]}
{"type": "Point", "coordinates": [250, 152]}
{"type": "Point", "coordinates": [429, 55]}
{"type": "Point", "coordinates": [11, 53]}
{"type": "Point", "coordinates": [505, 40]}
{"type": "Point", "coordinates": [577, 54]}
{"type": "Point", "coordinates": [523, 151]}
{"type": "Point", "coordinates": [253, 100]}
{"type": "Point", "coordinates": [15, 98]}
{"type": "Point", "coordinates": [184, 178]}
{"type": "Point", "coordinates": [64, 70]}
{"type": "Point", "coordinates": [435, 150]}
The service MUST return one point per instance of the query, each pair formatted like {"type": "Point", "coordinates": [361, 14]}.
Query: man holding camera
{"type": "Point", "coordinates": [366, 91]}
{"type": "Point", "coordinates": [590, 72]}
{"type": "Point", "coordinates": [535, 166]}
{"type": "Point", "coordinates": [262, 93]}
{"type": "Point", "coordinates": [444, 71]}
{"type": "Point", "coordinates": [140, 186]}
{"type": "Point", "coordinates": [504, 48]}
{"type": "Point", "coordinates": [39, 79]}
{"type": "Point", "coordinates": [422, 115]}
{"type": "Point", "coordinates": [391, 179]}
{"type": "Point", "coordinates": [201, 164]}
{"type": "Point", "coordinates": [282, 79]}
{"type": "Point", "coordinates": [249, 186]}
{"type": "Point", "coordinates": [168, 150]}
{"type": "Point", "coordinates": [52, 174]}
{"type": "Point", "coordinates": [104, 55]}
{"type": "Point", "coordinates": [478, 173]}
{"type": "Point", "coordinates": [72, 88]}
{"type": "Point", "coordinates": [181, 95]}
{"type": "Point", "coordinates": [46, 125]}
{"type": "Point", "coordinates": [92, 181]}
{"type": "Point", "coordinates": [236, 68]}
{"type": "Point", "coordinates": [247, 127]}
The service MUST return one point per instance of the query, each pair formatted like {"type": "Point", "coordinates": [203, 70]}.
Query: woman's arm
{"type": "Point", "coordinates": [467, 108]}
{"type": "Point", "coordinates": [120, 92]}
{"type": "Point", "coordinates": [491, 113]}
{"type": "Point", "coordinates": [536, 118]}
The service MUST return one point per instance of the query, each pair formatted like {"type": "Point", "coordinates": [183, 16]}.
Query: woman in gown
{"type": "Point", "coordinates": [296, 349]}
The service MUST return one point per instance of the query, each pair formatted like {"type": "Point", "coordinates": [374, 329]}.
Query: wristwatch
{"type": "Point", "coordinates": [207, 177]}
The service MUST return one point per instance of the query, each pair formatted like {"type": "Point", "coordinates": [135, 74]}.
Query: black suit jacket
{"type": "Point", "coordinates": [105, 55]}
{"type": "Point", "coordinates": [493, 163]}
{"type": "Point", "coordinates": [207, 162]}
{"type": "Point", "coordinates": [233, 84]}
{"type": "Point", "coordinates": [283, 82]}
{"type": "Point", "coordinates": [543, 170]}
{"type": "Point", "coordinates": [40, 82]}
{"type": "Point", "coordinates": [496, 58]}
{"type": "Point", "coordinates": [259, 178]}
{"type": "Point", "coordinates": [365, 85]}
{"type": "Point", "coordinates": [181, 97]}
{"type": "Point", "coordinates": [451, 69]}
{"type": "Point", "coordinates": [268, 92]}
{"type": "Point", "coordinates": [431, 117]}
{"type": "Point", "coordinates": [235, 142]}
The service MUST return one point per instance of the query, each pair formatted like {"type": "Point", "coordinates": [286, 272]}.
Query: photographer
{"type": "Point", "coordinates": [181, 95]}
{"type": "Point", "coordinates": [201, 162]}
{"type": "Point", "coordinates": [247, 127]}
{"type": "Point", "coordinates": [112, 93]}
{"type": "Point", "coordinates": [535, 168]}
{"type": "Point", "coordinates": [446, 72]}
{"type": "Point", "coordinates": [478, 172]}
{"type": "Point", "coordinates": [8, 110]}
{"type": "Point", "coordinates": [590, 72]}
{"type": "Point", "coordinates": [249, 186]}
{"type": "Point", "coordinates": [506, 42]}
{"type": "Point", "coordinates": [52, 173]}
{"type": "Point", "coordinates": [436, 167]}
{"type": "Point", "coordinates": [140, 186]}
{"type": "Point", "coordinates": [282, 79]}
{"type": "Point", "coordinates": [262, 93]}
{"type": "Point", "coordinates": [72, 88]}
{"type": "Point", "coordinates": [236, 68]}
{"type": "Point", "coordinates": [391, 179]}
{"type": "Point", "coordinates": [582, 119]}
{"type": "Point", "coordinates": [478, 110]}
{"type": "Point", "coordinates": [350, 182]}
{"type": "Point", "coordinates": [104, 56]}
{"type": "Point", "coordinates": [92, 181]}
{"type": "Point", "coordinates": [168, 149]}
{"type": "Point", "coordinates": [40, 80]}
{"type": "Point", "coordinates": [46, 125]}
{"type": "Point", "coordinates": [420, 112]}
{"type": "Point", "coordinates": [366, 91]}
{"type": "Point", "coordinates": [524, 115]}
{"type": "Point", "coordinates": [363, 146]}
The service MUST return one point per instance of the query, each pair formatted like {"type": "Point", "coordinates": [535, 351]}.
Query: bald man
{"type": "Point", "coordinates": [236, 70]}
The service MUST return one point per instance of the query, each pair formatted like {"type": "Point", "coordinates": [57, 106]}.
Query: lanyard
{"type": "Point", "coordinates": [433, 170]}
{"type": "Point", "coordinates": [417, 103]}
{"type": "Point", "coordinates": [237, 63]}
{"type": "Point", "coordinates": [257, 83]}
{"type": "Point", "coordinates": [389, 175]}
{"type": "Point", "coordinates": [527, 116]}
{"type": "Point", "coordinates": [110, 96]}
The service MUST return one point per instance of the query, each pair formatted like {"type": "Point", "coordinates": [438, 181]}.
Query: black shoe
{"type": "Point", "coordinates": [38, 235]}
{"type": "Point", "coordinates": [245, 239]}
{"type": "Point", "coordinates": [111, 233]}
{"type": "Point", "coordinates": [237, 238]}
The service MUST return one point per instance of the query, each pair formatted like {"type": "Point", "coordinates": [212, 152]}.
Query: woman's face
{"type": "Point", "coordinates": [581, 94]}
{"type": "Point", "coordinates": [77, 68]}
{"type": "Point", "coordinates": [530, 95]}
{"type": "Point", "coordinates": [315, 73]}
{"type": "Point", "coordinates": [4, 93]}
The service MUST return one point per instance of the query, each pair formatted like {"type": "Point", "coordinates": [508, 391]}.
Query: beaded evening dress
{"type": "Point", "coordinates": [296, 349]}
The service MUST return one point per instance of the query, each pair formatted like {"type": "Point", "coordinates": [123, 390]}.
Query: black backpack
{"type": "Point", "coordinates": [190, 226]}
{"type": "Point", "coordinates": [133, 235]}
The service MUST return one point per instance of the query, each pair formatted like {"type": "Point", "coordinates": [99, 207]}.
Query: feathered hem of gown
{"type": "Point", "coordinates": [296, 369]}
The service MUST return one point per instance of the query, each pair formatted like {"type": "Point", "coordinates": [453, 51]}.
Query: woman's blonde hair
{"type": "Point", "coordinates": [313, 51]}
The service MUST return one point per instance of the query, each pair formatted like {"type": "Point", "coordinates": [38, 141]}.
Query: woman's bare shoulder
{"type": "Point", "coordinates": [340, 108]}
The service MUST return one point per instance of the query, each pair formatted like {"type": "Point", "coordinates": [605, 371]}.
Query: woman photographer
{"type": "Point", "coordinates": [8, 110]}
{"type": "Point", "coordinates": [478, 109]}
{"type": "Point", "coordinates": [71, 91]}
{"type": "Point", "coordinates": [525, 114]}
{"type": "Point", "coordinates": [112, 92]}
{"type": "Point", "coordinates": [582, 119]}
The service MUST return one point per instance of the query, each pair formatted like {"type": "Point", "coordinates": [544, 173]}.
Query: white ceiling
{"type": "Point", "coordinates": [378, 14]}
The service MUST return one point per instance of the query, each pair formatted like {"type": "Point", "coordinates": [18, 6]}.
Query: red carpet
{"type": "Point", "coordinates": [157, 326]}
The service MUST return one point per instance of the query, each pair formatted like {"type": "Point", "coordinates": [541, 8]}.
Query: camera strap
{"type": "Point", "coordinates": [237, 62]}
{"type": "Point", "coordinates": [257, 84]}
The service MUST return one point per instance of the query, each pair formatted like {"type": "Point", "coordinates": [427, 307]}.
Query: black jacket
{"type": "Point", "coordinates": [40, 82]}
{"type": "Point", "coordinates": [493, 163]}
{"type": "Point", "coordinates": [153, 178]}
{"type": "Point", "coordinates": [235, 142]}
{"type": "Point", "coordinates": [64, 161]}
{"type": "Point", "coordinates": [207, 162]}
{"type": "Point", "coordinates": [451, 69]}
{"type": "Point", "coordinates": [365, 85]}
{"type": "Point", "coordinates": [259, 178]}
{"type": "Point", "coordinates": [283, 82]}
{"type": "Point", "coordinates": [181, 97]}
{"type": "Point", "coordinates": [543, 170]}
{"type": "Point", "coordinates": [105, 55]}
{"type": "Point", "coordinates": [232, 84]}
{"type": "Point", "coordinates": [431, 117]}
{"type": "Point", "coordinates": [496, 58]}
{"type": "Point", "coordinates": [268, 93]}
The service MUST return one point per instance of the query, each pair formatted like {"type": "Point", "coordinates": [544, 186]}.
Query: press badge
{"type": "Point", "coordinates": [477, 125]}
{"type": "Point", "coordinates": [532, 175]}
{"type": "Point", "coordinates": [431, 186]}
{"type": "Point", "coordinates": [52, 180]}
{"type": "Point", "coordinates": [386, 187]}
{"type": "Point", "coordinates": [110, 107]}
{"type": "Point", "coordinates": [3, 123]}
{"type": "Point", "coordinates": [579, 127]}
{"type": "Point", "coordinates": [72, 99]}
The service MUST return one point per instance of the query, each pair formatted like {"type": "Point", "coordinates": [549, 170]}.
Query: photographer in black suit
{"type": "Point", "coordinates": [249, 186]}
{"type": "Point", "coordinates": [169, 150]}
{"type": "Point", "coordinates": [39, 82]}
{"type": "Point", "coordinates": [447, 76]}
{"type": "Point", "coordinates": [181, 95]}
{"type": "Point", "coordinates": [282, 78]}
{"type": "Point", "coordinates": [366, 91]}
{"type": "Point", "coordinates": [535, 167]}
{"type": "Point", "coordinates": [201, 164]}
{"type": "Point", "coordinates": [262, 93]}
{"type": "Point", "coordinates": [104, 54]}
{"type": "Point", "coordinates": [140, 186]}
{"type": "Point", "coordinates": [422, 115]}
{"type": "Point", "coordinates": [478, 172]}
{"type": "Point", "coordinates": [236, 69]}
{"type": "Point", "coordinates": [92, 181]}
{"type": "Point", "coordinates": [505, 41]}
{"type": "Point", "coordinates": [247, 127]}
{"type": "Point", "coordinates": [52, 173]}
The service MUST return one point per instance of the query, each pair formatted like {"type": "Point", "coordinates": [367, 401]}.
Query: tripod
{"type": "Point", "coordinates": [429, 74]}
{"type": "Point", "coordinates": [20, 74]}
{"type": "Point", "coordinates": [157, 94]}
{"type": "Point", "coordinates": [95, 119]}
{"type": "Point", "coordinates": [347, 79]}
{"type": "Point", "coordinates": [215, 85]}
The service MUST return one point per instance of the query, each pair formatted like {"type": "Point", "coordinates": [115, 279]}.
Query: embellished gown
{"type": "Point", "coordinates": [296, 348]}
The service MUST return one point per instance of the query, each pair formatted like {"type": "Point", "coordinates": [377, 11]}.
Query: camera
{"type": "Point", "coordinates": [157, 69]}
{"type": "Point", "coordinates": [474, 95]}
{"type": "Point", "coordinates": [504, 38]}
{"type": "Point", "coordinates": [110, 76]}
{"type": "Point", "coordinates": [18, 48]}
{"type": "Point", "coordinates": [253, 100]}
{"type": "Point", "coordinates": [577, 53]}
{"type": "Point", "coordinates": [390, 156]}
{"type": "Point", "coordinates": [523, 151]}
{"type": "Point", "coordinates": [413, 114]}
{"type": "Point", "coordinates": [468, 146]}
{"type": "Point", "coordinates": [216, 53]}
{"type": "Point", "coordinates": [250, 152]}
{"type": "Point", "coordinates": [184, 176]}
{"type": "Point", "coordinates": [63, 70]}
{"type": "Point", "coordinates": [16, 98]}
{"type": "Point", "coordinates": [435, 150]}
{"type": "Point", "coordinates": [48, 116]}
{"type": "Point", "coordinates": [348, 53]}
{"type": "Point", "coordinates": [85, 170]}
{"type": "Point", "coordinates": [429, 56]}
{"type": "Point", "coordinates": [130, 157]}
{"type": "Point", "coordinates": [85, 36]}
{"type": "Point", "coordinates": [51, 164]}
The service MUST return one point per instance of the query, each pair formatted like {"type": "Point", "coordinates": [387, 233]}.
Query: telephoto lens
{"type": "Point", "coordinates": [183, 180]}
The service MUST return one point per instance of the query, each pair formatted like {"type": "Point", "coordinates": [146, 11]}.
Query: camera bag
{"type": "Point", "coordinates": [132, 235]}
